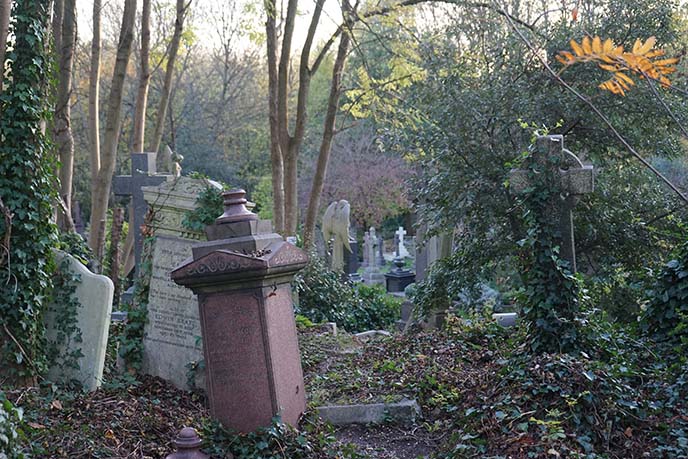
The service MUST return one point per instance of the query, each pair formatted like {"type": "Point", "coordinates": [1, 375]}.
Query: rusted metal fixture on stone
{"type": "Point", "coordinates": [188, 445]}
{"type": "Point", "coordinates": [235, 207]}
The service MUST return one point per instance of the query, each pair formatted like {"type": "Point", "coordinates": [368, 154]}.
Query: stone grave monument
{"type": "Point", "coordinates": [94, 295]}
{"type": "Point", "coordinates": [351, 261]}
{"type": "Point", "coordinates": [335, 228]}
{"type": "Point", "coordinates": [433, 249]}
{"type": "Point", "coordinates": [401, 248]}
{"type": "Point", "coordinates": [576, 178]}
{"type": "Point", "coordinates": [399, 278]}
{"type": "Point", "coordinates": [172, 340]}
{"type": "Point", "coordinates": [242, 276]}
{"type": "Point", "coordinates": [142, 174]}
{"type": "Point", "coordinates": [372, 274]}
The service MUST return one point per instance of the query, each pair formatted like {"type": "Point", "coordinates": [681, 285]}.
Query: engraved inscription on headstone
{"type": "Point", "coordinates": [172, 339]}
{"type": "Point", "coordinates": [173, 331]}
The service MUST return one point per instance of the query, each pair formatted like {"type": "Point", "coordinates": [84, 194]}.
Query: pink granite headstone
{"type": "Point", "coordinates": [242, 277]}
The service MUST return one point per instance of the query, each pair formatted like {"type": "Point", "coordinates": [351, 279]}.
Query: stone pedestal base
{"type": "Point", "coordinates": [397, 281]}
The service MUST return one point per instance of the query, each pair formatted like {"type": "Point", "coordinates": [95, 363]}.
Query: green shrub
{"type": "Point", "coordinates": [383, 309]}
{"type": "Point", "coordinates": [315, 439]}
{"type": "Point", "coordinates": [665, 315]}
{"type": "Point", "coordinates": [325, 297]}
{"type": "Point", "coordinates": [208, 207]}
{"type": "Point", "coordinates": [10, 419]}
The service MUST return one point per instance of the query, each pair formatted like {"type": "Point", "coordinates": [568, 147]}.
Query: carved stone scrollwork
{"type": "Point", "coordinates": [216, 263]}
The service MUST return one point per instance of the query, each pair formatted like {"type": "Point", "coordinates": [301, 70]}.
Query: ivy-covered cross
{"type": "Point", "coordinates": [575, 179]}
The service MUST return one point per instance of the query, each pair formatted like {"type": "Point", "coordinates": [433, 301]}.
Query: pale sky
{"type": "Point", "coordinates": [329, 19]}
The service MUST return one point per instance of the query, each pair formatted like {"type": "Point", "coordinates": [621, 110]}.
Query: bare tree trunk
{"type": "Point", "coordinates": [93, 120]}
{"type": "Point", "coordinates": [99, 200]}
{"type": "Point", "coordinates": [276, 159]}
{"type": "Point", "coordinates": [5, 10]}
{"type": "Point", "coordinates": [285, 146]}
{"type": "Point", "coordinates": [328, 132]}
{"type": "Point", "coordinates": [169, 71]}
{"type": "Point", "coordinates": [144, 79]}
{"type": "Point", "coordinates": [291, 201]}
{"type": "Point", "coordinates": [65, 40]}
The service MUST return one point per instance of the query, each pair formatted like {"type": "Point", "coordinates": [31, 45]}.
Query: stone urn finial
{"type": "Point", "coordinates": [188, 445]}
{"type": "Point", "coordinates": [235, 208]}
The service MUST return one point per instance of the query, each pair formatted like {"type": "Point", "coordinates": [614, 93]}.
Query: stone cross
{"type": "Point", "coordinates": [142, 174]}
{"type": "Point", "coordinates": [372, 274]}
{"type": "Point", "coordinates": [576, 178]}
{"type": "Point", "coordinates": [401, 248]}
{"type": "Point", "coordinates": [370, 249]}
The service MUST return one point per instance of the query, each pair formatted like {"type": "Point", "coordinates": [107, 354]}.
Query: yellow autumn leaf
{"type": "Point", "coordinates": [587, 46]}
{"type": "Point", "coordinates": [622, 84]}
{"type": "Point", "coordinates": [608, 46]}
{"type": "Point", "coordinates": [623, 77]}
{"type": "Point", "coordinates": [597, 45]}
{"type": "Point", "coordinates": [637, 45]}
{"type": "Point", "coordinates": [610, 68]}
{"type": "Point", "coordinates": [576, 48]}
{"type": "Point", "coordinates": [607, 59]}
{"type": "Point", "coordinates": [665, 62]}
{"type": "Point", "coordinates": [655, 53]}
{"type": "Point", "coordinates": [649, 44]}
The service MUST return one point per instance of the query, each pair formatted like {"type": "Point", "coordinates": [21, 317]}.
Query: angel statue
{"type": "Point", "coordinates": [173, 161]}
{"type": "Point", "coordinates": [336, 225]}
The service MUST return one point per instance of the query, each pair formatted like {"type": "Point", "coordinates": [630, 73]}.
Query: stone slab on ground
{"type": "Point", "coordinates": [506, 319]}
{"type": "Point", "coordinates": [94, 293]}
{"type": "Point", "coordinates": [375, 413]}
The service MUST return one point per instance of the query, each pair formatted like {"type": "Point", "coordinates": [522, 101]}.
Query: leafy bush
{"type": "Point", "coordinates": [76, 246]}
{"type": "Point", "coordinates": [208, 208]}
{"type": "Point", "coordinates": [10, 418]}
{"type": "Point", "coordinates": [383, 309]}
{"type": "Point", "coordinates": [666, 313]}
{"type": "Point", "coordinates": [315, 440]}
{"type": "Point", "coordinates": [324, 297]}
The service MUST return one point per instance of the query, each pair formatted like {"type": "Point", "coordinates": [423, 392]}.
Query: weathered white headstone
{"type": "Point", "coordinates": [172, 341]}
{"type": "Point", "coordinates": [94, 295]}
{"type": "Point", "coordinates": [372, 274]}
{"type": "Point", "coordinates": [401, 248]}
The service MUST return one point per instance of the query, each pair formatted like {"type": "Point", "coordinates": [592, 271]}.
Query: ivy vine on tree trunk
{"type": "Point", "coordinates": [27, 189]}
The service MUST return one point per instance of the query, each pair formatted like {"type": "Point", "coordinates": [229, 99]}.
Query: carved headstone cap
{"type": "Point", "coordinates": [188, 445]}
{"type": "Point", "coordinates": [235, 208]}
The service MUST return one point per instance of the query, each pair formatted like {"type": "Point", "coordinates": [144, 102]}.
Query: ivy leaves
{"type": "Point", "coordinates": [27, 190]}
{"type": "Point", "coordinates": [550, 294]}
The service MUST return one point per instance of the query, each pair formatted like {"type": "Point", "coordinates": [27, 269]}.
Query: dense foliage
{"type": "Point", "coordinates": [10, 434]}
{"type": "Point", "coordinates": [324, 297]}
{"type": "Point", "coordinates": [666, 315]}
{"type": "Point", "coordinates": [27, 190]}
{"type": "Point", "coordinates": [463, 123]}
{"type": "Point", "coordinates": [314, 440]}
{"type": "Point", "coordinates": [208, 207]}
{"type": "Point", "coordinates": [549, 298]}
